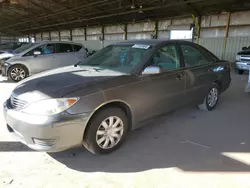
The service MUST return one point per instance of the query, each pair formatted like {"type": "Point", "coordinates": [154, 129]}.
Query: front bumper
{"type": "Point", "coordinates": [242, 65]}
{"type": "Point", "coordinates": [46, 133]}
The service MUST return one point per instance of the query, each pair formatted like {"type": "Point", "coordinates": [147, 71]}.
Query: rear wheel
{"type": "Point", "coordinates": [106, 131]}
{"type": "Point", "coordinates": [238, 71]}
{"type": "Point", "coordinates": [17, 73]}
{"type": "Point", "coordinates": [211, 99]}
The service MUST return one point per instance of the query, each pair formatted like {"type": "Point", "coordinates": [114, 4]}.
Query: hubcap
{"type": "Point", "coordinates": [212, 97]}
{"type": "Point", "coordinates": [17, 74]}
{"type": "Point", "coordinates": [110, 132]}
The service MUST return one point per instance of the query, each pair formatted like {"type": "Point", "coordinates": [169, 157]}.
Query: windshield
{"type": "Point", "coordinates": [23, 48]}
{"type": "Point", "coordinates": [122, 58]}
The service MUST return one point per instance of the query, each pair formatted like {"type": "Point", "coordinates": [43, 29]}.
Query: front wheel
{"type": "Point", "coordinates": [17, 73]}
{"type": "Point", "coordinates": [106, 131]}
{"type": "Point", "coordinates": [211, 99]}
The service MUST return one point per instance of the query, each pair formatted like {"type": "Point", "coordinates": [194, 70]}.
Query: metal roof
{"type": "Point", "coordinates": [29, 16]}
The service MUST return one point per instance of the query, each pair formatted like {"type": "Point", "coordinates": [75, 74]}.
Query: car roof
{"type": "Point", "coordinates": [62, 42]}
{"type": "Point", "coordinates": [151, 42]}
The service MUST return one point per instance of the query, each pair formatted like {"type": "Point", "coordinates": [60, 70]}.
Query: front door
{"type": "Point", "coordinates": [42, 62]}
{"type": "Point", "coordinates": [165, 91]}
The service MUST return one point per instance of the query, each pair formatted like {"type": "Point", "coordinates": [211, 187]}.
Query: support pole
{"type": "Point", "coordinates": [49, 35]}
{"type": "Point", "coordinates": [226, 35]}
{"type": "Point", "coordinates": [85, 33]}
{"type": "Point", "coordinates": [125, 34]}
{"type": "Point", "coordinates": [156, 30]}
{"type": "Point", "coordinates": [70, 33]}
{"type": "Point", "coordinates": [59, 35]}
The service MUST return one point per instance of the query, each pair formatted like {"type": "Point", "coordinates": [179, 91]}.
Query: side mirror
{"type": "Point", "coordinates": [151, 70]}
{"type": "Point", "coordinates": [244, 48]}
{"type": "Point", "coordinates": [37, 53]}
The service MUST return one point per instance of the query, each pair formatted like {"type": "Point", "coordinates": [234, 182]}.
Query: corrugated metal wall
{"type": "Point", "coordinates": [4, 39]}
{"type": "Point", "coordinates": [234, 45]}
{"type": "Point", "coordinates": [143, 30]}
{"type": "Point", "coordinates": [163, 32]}
{"type": "Point", "coordinates": [212, 33]}
{"type": "Point", "coordinates": [214, 45]}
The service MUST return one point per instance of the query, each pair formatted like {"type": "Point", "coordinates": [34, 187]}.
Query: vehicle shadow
{"type": "Point", "coordinates": [13, 146]}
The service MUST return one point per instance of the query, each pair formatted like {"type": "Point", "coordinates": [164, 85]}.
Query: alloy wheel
{"type": "Point", "coordinates": [17, 74]}
{"type": "Point", "coordinates": [110, 132]}
{"type": "Point", "coordinates": [212, 97]}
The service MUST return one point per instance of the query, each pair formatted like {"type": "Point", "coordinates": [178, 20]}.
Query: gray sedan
{"type": "Point", "coordinates": [96, 103]}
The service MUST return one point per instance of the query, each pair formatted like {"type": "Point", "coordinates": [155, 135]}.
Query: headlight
{"type": "Point", "coordinates": [238, 58]}
{"type": "Point", "coordinates": [50, 106]}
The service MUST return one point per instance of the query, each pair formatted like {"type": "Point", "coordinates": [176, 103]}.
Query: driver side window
{"type": "Point", "coordinates": [44, 49]}
{"type": "Point", "coordinates": [166, 57]}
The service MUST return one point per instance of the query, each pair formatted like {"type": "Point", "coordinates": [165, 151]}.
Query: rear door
{"type": "Point", "coordinates": [199, 76]}
{"type": "Point", "coordinates": [65, 55]}
{"type": "Point", "coordinates": [80, 52]}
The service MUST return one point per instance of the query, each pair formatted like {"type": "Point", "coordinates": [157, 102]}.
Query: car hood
{"type": "Point", "coordinates": [6, 55]}
{"type": "Point", "coordinates": [244, 52]}
{"type": "Point", "coordinates": [60, 82]}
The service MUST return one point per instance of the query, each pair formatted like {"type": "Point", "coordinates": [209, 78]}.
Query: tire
{"type": "Point", "coordinates": [90, 139]}
{"type": "Point", "coordinates": [17, 73]}
{"type": "Point", "coordinates": [238, 71]}
{"type": "Point", "coordinates": [207, 105]}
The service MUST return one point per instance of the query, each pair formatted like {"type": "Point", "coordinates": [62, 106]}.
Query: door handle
{"type": "Point", "coordinates": [180, 77]}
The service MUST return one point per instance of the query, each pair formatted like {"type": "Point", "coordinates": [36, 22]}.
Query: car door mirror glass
{"type": "Point", "coordinates": [37, 53]}
{"type": "Point", "coordinates": [151, 70]}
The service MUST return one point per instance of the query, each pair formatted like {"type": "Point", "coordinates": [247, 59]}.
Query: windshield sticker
{"type": "Point", "coordinates": [141, 46]}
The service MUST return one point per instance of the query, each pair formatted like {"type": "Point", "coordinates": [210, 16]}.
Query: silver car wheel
{"type": "Point", "coordinates": [17, 74]}
{"type": "Point", "coordinates": [110, 132]}
{"type": "Point", "coordinates": [212, 97]}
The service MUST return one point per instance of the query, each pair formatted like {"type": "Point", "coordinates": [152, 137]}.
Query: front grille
{"type": "Point", "coordinates": [16, 103]}
{"type": "Point", "coordinates": [245, 58]}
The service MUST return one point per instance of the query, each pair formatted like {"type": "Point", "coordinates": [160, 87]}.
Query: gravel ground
{"type": "Point", "coordinates": [189, 148]}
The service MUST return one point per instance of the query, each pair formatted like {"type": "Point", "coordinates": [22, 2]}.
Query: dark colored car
{"type": "Point", "coordinates": [98, 101]}
{"type": "Point", "coordinates": [243, 60]}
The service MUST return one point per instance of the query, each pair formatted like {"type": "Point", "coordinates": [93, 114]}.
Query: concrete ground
{"type": "Point", "coordinates": [189, 148]}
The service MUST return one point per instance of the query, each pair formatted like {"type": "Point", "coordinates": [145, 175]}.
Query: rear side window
{"type": "Point", "coordinates": [64, 48]}
{"type": "Point", "coordinates": [77, 48]}
{"type": "Point", "coordinates": [210, 54]}
{"type": "Point", "coordinates": [192, 56]}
